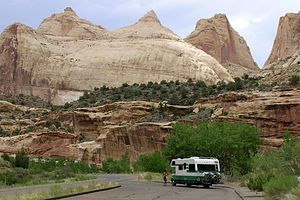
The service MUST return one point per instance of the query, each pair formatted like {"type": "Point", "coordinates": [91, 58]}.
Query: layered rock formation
{"type": "Point", "coordinates": [271, 112]}
{"type": "Point", "coordinates": [216, 37]}
{"type": "Point", "coordinates": [69, 26]}
{"type": "Point", "coordinates": [108, 131]}
{"type": "Point", "coordinates": [148, 26]}
{"type": "Point", "coordinates": [287, 41]}
{"type": "Point", "coordinates": [68, 55]}
{"type": "Point", "coordinates": [281, 70]}
{"type": "Point", "coordinates": [113, 129]}
{"type": "Point", "coordinates": [50, 144]}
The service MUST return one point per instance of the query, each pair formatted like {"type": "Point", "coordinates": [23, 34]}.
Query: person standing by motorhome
{"type": "Point", "coordinates": [165, 177]}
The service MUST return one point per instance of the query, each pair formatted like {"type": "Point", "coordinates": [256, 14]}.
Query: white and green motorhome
{"type": "Point", "coordinates": [196, 171]}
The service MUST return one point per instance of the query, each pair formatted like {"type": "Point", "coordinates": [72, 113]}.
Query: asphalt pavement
{"type": "Point", "coordinates": [136, 190]}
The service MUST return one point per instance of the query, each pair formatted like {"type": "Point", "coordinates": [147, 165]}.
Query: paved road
{"type": "Point", "coordinates": [37, 188]}
{"type": "Point", "coordinates": [140, 190]}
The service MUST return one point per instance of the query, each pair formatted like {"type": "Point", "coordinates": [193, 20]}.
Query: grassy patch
{"type": "Point", "coordinates": [151, 176]}
{"type": "Point", "coordinates": [44, 171]}
{"type": "Point", "coordinates": [56, 191]}
{"type": "Point", "coordinates": [280, 185]}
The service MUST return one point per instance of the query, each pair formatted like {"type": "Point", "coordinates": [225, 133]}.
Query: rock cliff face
{"type": "Point", "coordinates": [108, 131]}
{"type": "Point", "coordinates": [272, 112]}
{"type": "Point", "coordinates": [287, 41]}
{"type": "Point", "coordinates": [280, 71]}
{"type": "Point", "coordinates": [69, 26]}
{"type": "Point", "coordinates": [113, 129]}
{"type": "Point", "coordinates": [216, 37]}
{"type": "Point", "coordinates": [148, 27]}
{"type": "Point", "coordinates": [68, 55]}
{"type": "Point", "coordinates": [50, 144]}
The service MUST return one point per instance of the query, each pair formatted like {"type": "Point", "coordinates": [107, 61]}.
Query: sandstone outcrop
{"type": "Point", "coordinates": [287, 41]}
{"type": "Point", "coordinates": [68, 55]}
{"type": "Point", "coordinates": [147, 27]}
{"type": "Point", "coordinates": [271, 112]}
{"type": "Point", "coordinates": [49, 144]}
{"type": "Point", "coordinates": [113, 129]}
{"type": "Point", "coordinates": [216, 37]}
{"type": "Point", "coordinates": [107, 131]}
{"type": "Point", "coordinates": [69, 26]}
{"type": "Point", "coordinates": [280, 71]}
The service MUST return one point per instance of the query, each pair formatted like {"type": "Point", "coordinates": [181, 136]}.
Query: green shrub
{"type": "Point", "coordinates": [62, 165]}
{"type": "Point", "coordinates": [111, 166]}
{"type": "Point", "coordinates": [294, 80]}
{"type": "Point", "coordinates": [280, 185]}
{"type": "Point", "coordinates": [67, 105]}
{"type": "Point", "coordinates": [148, 176]}
{"type": "Point", "coordinates": [3, 133]}
{"type": "Point", "coordinates": [154, 162]}
{"type": "Point", "coordinates": [56, 123]}
{"type": "Point", "coordinates": [296, 190]}
{"type": "Point", "coordinates": [5, 157]}
{"type": "Point", "coordinates": [8, 177]}
{"type": "Point", "coordinates": [116, 166]}
{"type": "Point", "coordinates": [257, 181]}
{"type": "Point", "coordinates": [29, 129]}
{"type": "Point", "coordinates": [15, 132]}
{"type": "Point", "coordinates": [8, 158]}
{"type": "Point", "coordinates": [280, 163]}
{"type": "Point", "coordinates": [22, 160]}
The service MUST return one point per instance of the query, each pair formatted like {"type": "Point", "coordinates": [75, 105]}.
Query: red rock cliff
{"type": "Point", "coordinates": [287, 41]}
{"type": "Point", "coordinates": [271, 112]}
{"type": "Point", "coordinates": [216, 37]}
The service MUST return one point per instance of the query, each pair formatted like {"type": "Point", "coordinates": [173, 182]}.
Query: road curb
{"type": "Point", "coordinates": [239, 194]}
{"type": "Point", "coordinates": [81, 193]}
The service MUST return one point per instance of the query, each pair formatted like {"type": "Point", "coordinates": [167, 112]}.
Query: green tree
{"type": "Point", "coordinates": [117, 166]}
{"type": "Point", "coordinates": [233, 144]}
{"type": "Point", "coordinates": [22, 160]}
{"type": "Point", "coordinates": [151, 162]}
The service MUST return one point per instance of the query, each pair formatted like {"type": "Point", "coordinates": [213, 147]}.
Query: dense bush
{"type": "Point", "coordinates": [232, 143]}
{"type": "Point", "coordinates": [117, 166]}
{"type": "Point", "coordinates": [294, 80]}
{"type": "Point", "coordinates": [56, 123]}
{"type": "Point", "coordinates": [3, 133]}
{"type": "Point", "coordinates": [55, 164]}
{"type": "Point", "coordinates": [280, 185]}
{"type": "Point", "coordinates": [176, 93]}
{"type": "Point", "coordinates": [273, 168]}
{"type": "Point", "coordinates": [42, 170]}
{"type": "Point", "coordinates": [22, 160]}
{"type": "Point", "coordinates": [151, 162]}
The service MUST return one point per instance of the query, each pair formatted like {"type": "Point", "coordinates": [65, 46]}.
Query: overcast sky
{"type": "Point", "coordinates": [255, 20]}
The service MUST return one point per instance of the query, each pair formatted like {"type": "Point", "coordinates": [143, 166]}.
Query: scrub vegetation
{"type": "Point", "coordinates": [21, 170]}
{"type": "Point", "coordinates": [174, 92]}
{"type": "Point", "coordinates": [275, 172]}
{"type": "Point", "coordinates": [56, 191]}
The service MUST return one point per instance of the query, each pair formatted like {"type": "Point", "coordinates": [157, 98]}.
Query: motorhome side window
{"type": "Point", "coordinates": [203, 167]}
{"type": "Point", "coordinates": [184, 165]}
{"type": "Point", "coordinates": [192, 167]}
{"type": "Point", "coordinates": [173, 162]}
{"type": "Point", "coordinates": [180, 167]}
